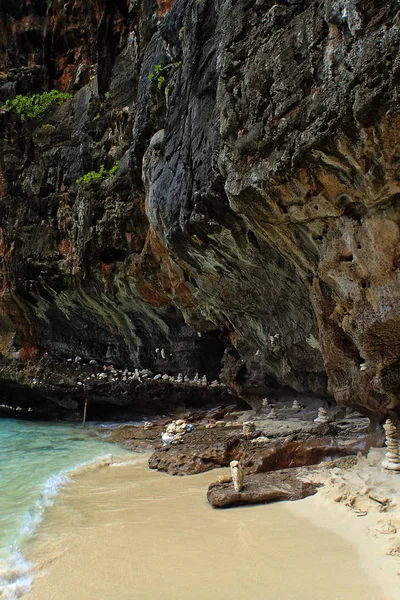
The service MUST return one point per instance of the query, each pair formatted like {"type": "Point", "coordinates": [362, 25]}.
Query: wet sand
{"type": "Point", "coordinates": [130, 533]}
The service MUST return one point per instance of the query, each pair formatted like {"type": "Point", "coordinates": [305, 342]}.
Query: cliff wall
{"type": "Point", "coordinates": [251, 229]}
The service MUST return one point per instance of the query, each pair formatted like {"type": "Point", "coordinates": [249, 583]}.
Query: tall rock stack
{"type": "Point", "coordinates": [391, 461]}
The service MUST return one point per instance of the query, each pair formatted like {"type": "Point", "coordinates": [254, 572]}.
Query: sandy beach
{"type": "Point", "coordinates": [130, 533]}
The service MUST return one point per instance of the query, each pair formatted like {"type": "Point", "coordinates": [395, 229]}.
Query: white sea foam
{"type": "Point", "coordinates": [16, 573]}
{"type": "Point", "coordinates": [15, 576]}
{"type": "Point", "coordinates": [125, 462]}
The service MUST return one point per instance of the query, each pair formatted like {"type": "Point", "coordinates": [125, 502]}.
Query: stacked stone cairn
{"type": "Point", "coordinates": [272, 414]}
{"type": "Point", "coordinates": [391, 461]}
{"type": "Point", "coordinates": [296, 405]}
{"type": "Point", "coordinates": [265, 402]}
{"type": "Point", "coordinates": [249, 428]}
{"type": "Point", "coordinates": [237, 475]}
{"type": "Point", "coordinates": [322, 416]}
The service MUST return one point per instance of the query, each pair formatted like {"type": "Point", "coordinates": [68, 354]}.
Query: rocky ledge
{"type": "Point", "coordinates": [286, 484]}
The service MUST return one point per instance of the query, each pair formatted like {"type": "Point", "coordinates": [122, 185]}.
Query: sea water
{"type": "Point", "coordinates": [36, 461]}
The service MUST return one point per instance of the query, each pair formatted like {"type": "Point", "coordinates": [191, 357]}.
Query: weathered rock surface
{"type": "Point", "coordinates": [261, 489]}
{"type": "Point", "coordinates": [206, 449]}
{"type": "Point", "coordinates": [251, 229]}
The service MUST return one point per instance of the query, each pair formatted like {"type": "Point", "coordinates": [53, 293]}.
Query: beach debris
{"type": "Point", "coordinates": [272, 414]}
{"type": "Point", "coordinates": [262, 439]}
{"type": "Point", "coordinates": [391, 461]}
{"type": "Point", "coordinates": [167, 438]}
{"type": "Point", "coordinates": [158, 376]}
{"type": "Point", "coordinates": [322, 416]}
{"type": "Point", "coordinates": [84, 414]}
{"type": "Point", "coordinates": [296, 405]}
{"type": "Point", "coordinates": [175, 431]}
{"type": "Point", "coordinates": [363, 366]}
{"type": "Point", "coordinates": [237, 475]}
{"type": "Point", "coordinates": [147, 425]}
{"type": "Point", "coordinates": [249, 428]}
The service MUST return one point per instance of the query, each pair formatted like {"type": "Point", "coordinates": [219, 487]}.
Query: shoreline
{"type": "Point", "coordinates": [97, 521]}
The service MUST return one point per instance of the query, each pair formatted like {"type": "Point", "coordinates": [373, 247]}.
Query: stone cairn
{"type": "Point", "coordinates": [296, 405]}
{"type": "Point", "coordinates": [391, 461]}
{"type": "Point", "coordinates": [322, 416]}
{"type": "Point", "coordinates": [249, 428]}
{"type": "Point", "coordinates": [237, 475]}
{"type": "Point", "coordinates": [272, 414]}
{"type": "Point", "coordinates": [265, 402]}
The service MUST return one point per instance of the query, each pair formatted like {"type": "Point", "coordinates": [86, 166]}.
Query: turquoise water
{"type": "Point", "coordinates": [37, 461]}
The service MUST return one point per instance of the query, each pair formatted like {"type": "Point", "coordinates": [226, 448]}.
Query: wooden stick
{"type": "Point", "coordinates": [84, 414]}
{"type": "Point", "coordinates": [381, 502]}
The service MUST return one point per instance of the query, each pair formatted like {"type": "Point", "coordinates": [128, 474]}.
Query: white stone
{"type": "Point", "coordinates": [237, 475]}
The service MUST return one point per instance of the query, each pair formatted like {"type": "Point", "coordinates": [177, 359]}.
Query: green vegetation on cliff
{"type": "Point", "coordinates": [91, 176]}
{"type": "Point", "coordinates": [35, 106]}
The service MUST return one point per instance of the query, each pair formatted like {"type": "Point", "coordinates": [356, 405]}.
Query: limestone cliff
{"type": "Point", "coordinates": [251, 228]}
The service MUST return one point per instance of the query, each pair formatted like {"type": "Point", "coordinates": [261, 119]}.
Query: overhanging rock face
{"type": "Point", "coordinates": [252, 225]}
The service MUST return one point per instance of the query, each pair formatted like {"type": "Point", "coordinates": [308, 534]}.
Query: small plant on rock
{"type": "Point", "coordinates": [92, 176]}
{"type": "Point", "coordinates": [33, 107]}
{"type": "Point", "coordinates": [159, 77]}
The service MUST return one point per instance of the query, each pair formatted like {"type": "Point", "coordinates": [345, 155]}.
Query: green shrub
{"type": "Point", "coordinates": [157, 77]}
{"type": "Point", "coordinates": [114, 168]}
{"type": "Point", "coordinates": [88, 178]}
{"type": "Point", "coordinates": [35, 106]}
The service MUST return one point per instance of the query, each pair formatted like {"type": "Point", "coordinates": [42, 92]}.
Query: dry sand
{"type": "Point", "coordinates": [130, 533]}
{"type": "Point", "coordinates": [361, 504]}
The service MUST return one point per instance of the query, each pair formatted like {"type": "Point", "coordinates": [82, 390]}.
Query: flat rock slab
{"type": "Point", "coordinates": [262, 488]}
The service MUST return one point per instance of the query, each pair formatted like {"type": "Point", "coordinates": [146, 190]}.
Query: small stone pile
{"type": "Point", "coordinates": [392, 458]}
{"type": "Point", "coordinates": [322, 416]}
{"type": "Point", "coordinates": [249, 428]}
{"type": "Point", "coordinates": [296, 405]}
{"type": "Point", "coordinates": [237, 475]}
{"type": "Point", "coordinates": [175, 431]}
{"type": "Point", "coordinates": [272, 414]}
